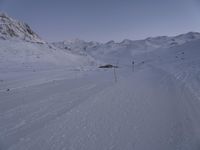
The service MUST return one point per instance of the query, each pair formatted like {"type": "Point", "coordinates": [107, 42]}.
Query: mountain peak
{"type": "Point", "coordinates": [74, 41]}
{"type": "Point", "coordinates": [4, 15]}
{"type": "Point", "coordinates": [189, 35]}
{"type": "Point", "coordinates": [14, 29]}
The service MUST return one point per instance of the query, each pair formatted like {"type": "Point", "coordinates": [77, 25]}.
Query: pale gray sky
{"type": "Point", "coordinates": [103, 20]}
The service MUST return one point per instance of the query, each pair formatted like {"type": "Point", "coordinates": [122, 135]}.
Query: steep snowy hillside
{"type": "Point", "coordinates": [30, 56]}
{"type": "Point", "coordinates": [13, 29]}
{"type": "Point", "coordinates": [22, 48]}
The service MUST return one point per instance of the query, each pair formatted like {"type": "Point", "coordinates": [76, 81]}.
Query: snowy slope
{"type": "Point", "coordinates": [21, 54]}
{"type": "Point", "coordinates": [180, 61]}
{"type": "Point", "coordinates": [52, 107]}
{"type": "Point", "coordinates": [155, 107]}
{"type": "Point", "coordinates": [22, 48]}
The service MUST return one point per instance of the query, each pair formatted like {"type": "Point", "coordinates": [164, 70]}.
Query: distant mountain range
{"type": "Point", "coordinates": [125, 50]}
{"type": "Point", "coordinates": [19, 43]}
{"type": "Point", "coordinates": [150, 43]}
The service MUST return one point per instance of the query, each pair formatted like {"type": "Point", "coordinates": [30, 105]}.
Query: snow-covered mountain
{"type": "Point", "coordinates": [13, 29]}
{"type": "Point", "coordinates": [76, 46]}
{"type": "Point", "coordinates": [126, 47]}
{"type": "Point", "coordinates": [21, 47]}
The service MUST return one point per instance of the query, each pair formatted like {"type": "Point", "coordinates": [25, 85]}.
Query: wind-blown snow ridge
{"type": "Point", "coordinates": [14, 29]}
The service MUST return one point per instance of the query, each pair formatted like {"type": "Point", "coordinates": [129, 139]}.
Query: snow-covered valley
{"type": "Point", "coordinates": [54, 96]}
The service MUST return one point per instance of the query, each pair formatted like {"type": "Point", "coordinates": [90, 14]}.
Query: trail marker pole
{"type": "Point", "coordinates": [133, 66]}
{"type": "Point", "coordinates": [114, 69]}
{"type": "Point", "coordinates": [115, 75]}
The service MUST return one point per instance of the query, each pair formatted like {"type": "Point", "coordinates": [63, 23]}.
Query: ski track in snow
{"type": "Point", "coordinates": [147, 109]}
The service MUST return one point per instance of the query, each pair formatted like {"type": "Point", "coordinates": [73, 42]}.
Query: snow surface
{"type": "Point", "coordinates": [155, 107]}
{"type": "Point", "coordinates": [16, 54]}
{"type": "Point", "coordinates": [54, 97]}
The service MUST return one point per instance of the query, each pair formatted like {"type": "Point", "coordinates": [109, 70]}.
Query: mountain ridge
{"type": "Point", "coordinates": [14, 29]}
{"type": "Point", "coordinates": [150, 42]}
